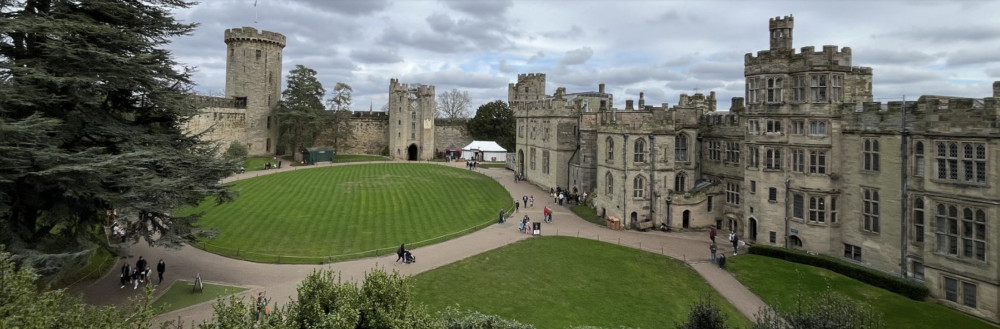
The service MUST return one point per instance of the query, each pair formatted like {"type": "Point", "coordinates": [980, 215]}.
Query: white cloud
{"type": "Point", "coordinates": [577, 56]}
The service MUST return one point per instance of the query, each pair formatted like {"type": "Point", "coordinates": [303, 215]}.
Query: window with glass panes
{"type": "Point", "coordinates": [818, 88]}
{"type": "Point", "coordinates": [817, 209]}
{"type": "Point", "coordinates": [799, 86]}
{"type": "Point", "coordinates": [640, 151]}
{"type": "Point", "coordinates": [638, 187]}
{"type": "Point", "coordinates": [609, 184]}
{"type": "Point", "coordinates": [918, 159]}
{"type": "Point", "coordinates": [836, 87]}
{"type": "Point", "coordinates": [609, 147]}
{"type": "Point", "coordinates": [733, 152]}
{"type": "Point", "coordinates": [870, 211]}
{"type": "Point", "coordinates": [817, 162]}
{"type": "Point", "coordinates": [871, 154]}
{"type": "Point", "coordinates": [817, 128]}
{"type": "Point", "coordinates": [772, 159]}
{"type": "Point", "coordinates": [733, 193]}
{"type": "Point", "coordinates": [918, 219]}
{"type": "Point", "coordinates": [798, 160]}
{"type": "Point", "coordinates": [774, 90]}
{"type": "Point", "coordinates": [798, 127]}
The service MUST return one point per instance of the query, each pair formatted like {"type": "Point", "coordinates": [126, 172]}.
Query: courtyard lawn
{"type": "Point", "coordinates": [559, 282]}
{"type": "Point", "coordinates": [777, 282]}
{"type": "Point", "coordinates": [343, 212]}
{"type": "Point", "coordinates": [588, 214]}
{"type": "Point", "coordinates": [487, 165]}
{"type": "Point", "coordinates": [257, 163]}
{"type": "Point", "coordinates": [358, 158]}
{"type": "Point", "coordinates": [181, 294]}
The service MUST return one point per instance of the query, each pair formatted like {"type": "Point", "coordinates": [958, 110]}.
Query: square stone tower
{"type": "Point", "coordinates": [411, 121]}
{"type": "Point", "coordinates": [253, 80]}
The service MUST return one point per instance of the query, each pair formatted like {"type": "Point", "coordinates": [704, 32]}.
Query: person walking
{"type": "Point", "coordinates": [500, 221]}
{"type": "Point", "coordinates": [713, 248]}
{"type": "Point", "coordinates": [517, 206]}
{"type": "Point", "coordinates": [532, 204]}
{"type": "Point", "coordinates": [160, 268]}
{"type": "Point", "coordinates": [400, 252]}
{"type": "Point", "coordinates": [736, 243]}
{"type": "Point", "coordinates": [525, 199]}
{"type": "Point", "coordinates": [712, 233]}
{"type": "Point", "coordinates": [126, 276]}
{"type": "Point", "coordinates": [140, 266]}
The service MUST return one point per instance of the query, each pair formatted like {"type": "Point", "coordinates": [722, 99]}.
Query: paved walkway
{"type": "Point", "coordinates": [280, 281]}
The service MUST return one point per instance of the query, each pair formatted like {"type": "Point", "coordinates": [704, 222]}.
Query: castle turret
{"type": "Point", "coordinates": [781, 32]}
{"type": "Point", "coordinates": [996, 88]}
{"type": "Point", "coordinates": [253, 80]}
{"type": "Point", "coordinates": [411, 121]}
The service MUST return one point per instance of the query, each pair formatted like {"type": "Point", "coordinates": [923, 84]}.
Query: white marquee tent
{"type": "Point", "coordinates": [484, 151]}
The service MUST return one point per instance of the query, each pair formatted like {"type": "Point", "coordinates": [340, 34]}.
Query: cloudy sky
{"type": "Point", "coordinates": [663, 48]}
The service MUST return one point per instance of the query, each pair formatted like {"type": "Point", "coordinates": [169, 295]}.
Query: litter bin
{"type": "Point", "coordinates": [614, 223]}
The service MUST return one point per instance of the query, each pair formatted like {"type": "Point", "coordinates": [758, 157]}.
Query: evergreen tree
{"type": "Point", "coordinates": [300, 111]}
{"type": "Point", "coordinates": [92, 115]}
{"type": "Point", "coordinates": [340, 114]}
{"type": "Point", "coordinates": [494, 121]}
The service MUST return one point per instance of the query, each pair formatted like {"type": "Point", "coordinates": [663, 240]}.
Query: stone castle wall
{"type": "Point", "coordinates": [220, 125]}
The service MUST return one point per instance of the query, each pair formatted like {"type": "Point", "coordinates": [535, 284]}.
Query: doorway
{"type": "Point", "coordinates": [411, 152]}
{"type": "Point", "coordinates": [520, 162]}
{"type": "Point", "coordinates": [686, 219]}
{"type": "Point", "coordinates": [753, 229]}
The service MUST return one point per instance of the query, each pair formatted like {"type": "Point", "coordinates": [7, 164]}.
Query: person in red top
{"type": "Point", "coordinates": [712, 233]}
{"type": "Point", "coordinates": [547, 214]}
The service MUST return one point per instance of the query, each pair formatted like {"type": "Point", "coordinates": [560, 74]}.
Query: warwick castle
{"type": "Point", "coordinates": [805, 160]}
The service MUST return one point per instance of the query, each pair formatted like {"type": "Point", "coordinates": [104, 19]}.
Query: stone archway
{"type": "Point", "coordinates": [411, 152]}
{"type": "Point", "coordinates": [794, 242]}
{"type": "Point", "coordinates": [753, 229]}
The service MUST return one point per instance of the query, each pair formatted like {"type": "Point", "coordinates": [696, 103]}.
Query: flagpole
{"type": "Point", "coordinates": [255, 16]}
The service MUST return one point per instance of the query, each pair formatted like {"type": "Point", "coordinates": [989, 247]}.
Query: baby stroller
{"type": "Point", "coordinates": [408, 257]}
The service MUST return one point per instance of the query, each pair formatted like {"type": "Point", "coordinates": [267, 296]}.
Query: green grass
{"type": "Point", "coordinates": [358, 158]}
{"type": "Point", "coordinates": [257, 163]}
{"type": "Point", "coordinates": [343, 212]}
{"type": "Point", "coordinates": [777, 282]}
{"type": "Point", "coordinates": [181, 295]}
{"type": "Point", "coordinates": [588, 214]}
{"type": "Point", "coordinates": [100, 262]}
{"type": "Point", "coordinates": [558, 282]}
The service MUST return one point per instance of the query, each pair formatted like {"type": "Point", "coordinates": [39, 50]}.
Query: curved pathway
{"type": "Point", "coordinates": [279, 281]}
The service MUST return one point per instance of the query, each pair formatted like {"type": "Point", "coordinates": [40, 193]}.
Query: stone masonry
{"type": "Point", "coordinates": [805, 160]}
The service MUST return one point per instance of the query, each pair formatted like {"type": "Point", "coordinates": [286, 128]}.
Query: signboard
{"type": "Point", "coordinates": [536, 228]}
{"type": "Point", "coordinates": [795, 231]}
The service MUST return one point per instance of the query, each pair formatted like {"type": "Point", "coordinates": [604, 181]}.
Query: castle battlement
{"type": "Point", "coordinates": [829, 55]}
{"type": "Point", "coordinates": [781, 22]}
{"type": "Point", "coordinates": [250, 34]}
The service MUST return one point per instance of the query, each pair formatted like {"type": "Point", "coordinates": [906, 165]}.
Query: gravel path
{"type": "Point", "coordinates": [279, 281]}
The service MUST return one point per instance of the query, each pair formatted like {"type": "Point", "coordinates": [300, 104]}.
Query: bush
{"type": "Point", "coordinates": [873, 277]}
{"type": "Point", "coordinates": [705, 314]}
{"type": "Point", "coordinates": [237, 152]}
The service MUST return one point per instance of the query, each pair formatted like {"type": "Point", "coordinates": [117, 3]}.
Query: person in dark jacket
{"type": "Point", "coordinates": [400, 252]}
{"type": "Point", "coordinates": [160, 268]}
{"type": "Point", "coordinates": [126, 276]}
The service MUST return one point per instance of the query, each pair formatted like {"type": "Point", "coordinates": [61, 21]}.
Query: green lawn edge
{"type": "Point", "coordinates": [181, 294]}
{"type": "Point", "coordinates": [483, 197]}
{"type": "Point", "coordinates": [777, 282]}
{"type": "Point", "coordinates": [588, 214]}
{"type": "Point", "coordinates": [561, 282]}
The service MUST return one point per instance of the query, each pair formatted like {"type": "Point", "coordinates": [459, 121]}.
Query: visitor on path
{"type": "Point", "coordinates": [555, 197]}
{"type": "Point", "coordinates": [532, 204]}
{"type": "Point", "coordinates": [712, 233]}
{"type": "Point", "coordinates": [713, 248]}
{"type": "Point", "coordinates": [501, 217]}
{"type": "Point", "coordinates": [126, 276]}
{"type": "Point", "coordinates": [136, 278]}
{"type": "Point", "coordinates": [722, 261]}
{"type": "Point", "coordinates": [525, 199]}
{"type": "Point", "coordinates": [160, 268]}
{"type": "Point", "coordinates": [400, 252]}
{"type": "Point", "coordinates": [140, 266]}
{"type": "Point", "coordinates": [736, 243]}
{"type": "Point", "coordinates": [517, 206]}
{"type": "Point", "coordinates": [547, 214]}
{"type": "Point", "coordinates": [584, 199]}
{"type": "Point", "coordinates": [562, 197]}
{"type": "Point", "coordinates": [261, 305]}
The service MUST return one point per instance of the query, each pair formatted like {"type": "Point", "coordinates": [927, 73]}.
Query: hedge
{"type": "Point", "coordinates": [910, 289]}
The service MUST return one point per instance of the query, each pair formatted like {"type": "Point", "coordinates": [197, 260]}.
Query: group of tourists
{"type": "Point", "coordinates": [733, 238]}
{"type": "Point", "coordinates": [140, 273]}
{"type": "Point", "coordinates": [471, 164]}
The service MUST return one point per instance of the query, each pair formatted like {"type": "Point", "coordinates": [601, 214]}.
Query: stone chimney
{"type": "Point", "coordinates": [628, 105]}
{"type": "Point", "coordinates": [996, 88]}
{"type": "Point", "coordinates": [600, 88]}
{"type": "Point", "coordinates": [642, 101]}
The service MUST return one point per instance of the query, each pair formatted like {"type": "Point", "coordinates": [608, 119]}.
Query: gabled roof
{"type": "Point", "coordinates": [485, 146]}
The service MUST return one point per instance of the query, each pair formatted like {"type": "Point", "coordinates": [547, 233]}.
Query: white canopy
{"type": "Point", "coordinates": [484, 151]}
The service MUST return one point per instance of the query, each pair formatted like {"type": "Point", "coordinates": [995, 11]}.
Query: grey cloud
{"type": "Point", "coordinates": [375, 56]}
{"type": "Point", "coordinates": [347, 7]}
{"type": "Point", "coordinates": [572, 33]}
{"type": "Point", "coordinates": [505, 68]}
{"type": "Point", "coordinates": [481, 8]}
{"type": "Point", "coordinates": [894, 56]}
{"type": "Point", "coordinates": [535, 57]}
{"type": "Point", "coordinates": [890, 91]}
{"type": "Point", "coordinates": [694, 85]}
{"type": "Point", "coordinates": [619, 76]}
{"type": "Point", "coordinates": [973, 56]}
{"type": "Point", "coordinates": [681, 61]}
{"type": "Point", "coordinates": [946, 34]}
{"type": "Point", "coordinates": [671, 16]}
{"type": "Point", "coordinates": [993, 72]}
{"type": "Point", "coordinates": [423, 40]}
{"type": "Point", "coordinates": [717, 70]}
{"type": "Point", "coordinates": [457, 78]}
{"type": "Point", "coordinates": [577, 56]}
{"type": "Point", "coordinates": [902, 75]}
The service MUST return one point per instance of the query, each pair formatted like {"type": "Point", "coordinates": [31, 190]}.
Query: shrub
{"type": "Point", "coordinates": [873, 277]}
{"type": "Point", "coordinates": [705, 315]}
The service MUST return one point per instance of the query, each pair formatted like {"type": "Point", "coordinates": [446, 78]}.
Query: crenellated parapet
{"type": "Point", "coordinates": [927, 115]}
{"type": "Point", "coordinates": [829, 58]}
{"type": "Point", "coordinates": [250, 34]}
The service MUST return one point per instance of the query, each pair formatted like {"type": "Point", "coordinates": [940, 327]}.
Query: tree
{"type": "Point", "coordinates": [237, 152]}
{"type": "Point", "coordinates": [92, 118]}
{"type": "Point", "coordinates": [25, 306]}
{"type": "Point", "coordinates": [453, 104]}
{"type": "Point", "coordinates": [300, 111]}
{"type": "Point", "coordinates": [494, 121]}
{"type": "Point", "coordinates": [340, 114]}
{"type": "Point", "coordinates": [705, 314]}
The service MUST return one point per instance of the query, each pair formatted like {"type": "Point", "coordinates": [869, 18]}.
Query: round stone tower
{"type": "Point", "coordinates": [253, 79]}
